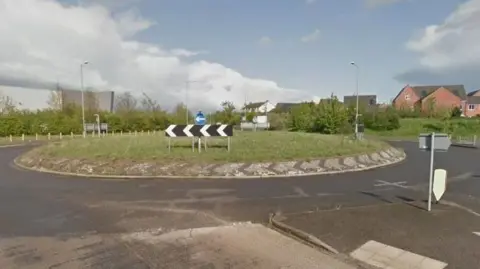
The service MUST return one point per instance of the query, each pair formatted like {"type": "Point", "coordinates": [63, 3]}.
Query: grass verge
{"type": "Point", "coordinates": [245, 147]}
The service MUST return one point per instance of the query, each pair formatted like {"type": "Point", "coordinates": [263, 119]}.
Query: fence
{"type": "Point", "coordinates": [468, 141]}
{"type": "Point", "coordinates": [60, 136]}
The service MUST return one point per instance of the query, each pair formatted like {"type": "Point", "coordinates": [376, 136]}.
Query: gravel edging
{"type": "Point", "coordinates": [68, 167]}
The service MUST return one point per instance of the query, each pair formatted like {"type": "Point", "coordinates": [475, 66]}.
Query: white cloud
{"type": "Point", "coordinates": [311, 37]}
{"type": "Point", "coordinates": [43, 41]}
{"type": "Point", "coordinates": [449, 51]}
{"type": "Point", "coordinates": [265, 40]}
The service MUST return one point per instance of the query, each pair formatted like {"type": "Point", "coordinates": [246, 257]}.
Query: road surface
{"type": "Point", "coordinates": [40, 209]}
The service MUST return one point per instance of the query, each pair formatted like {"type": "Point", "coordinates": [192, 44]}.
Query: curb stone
{"type": "Point", "coordinates": [278, 224]}
{"type": "Point", "coordinates": [301, 234]}
{"type": "Point", "coordinates": [92, 169]}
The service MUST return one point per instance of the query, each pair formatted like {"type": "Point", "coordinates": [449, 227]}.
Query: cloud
{"type": "Point", "coordinates": [311, 37]}
{"type": "Point", "coordinates": [448, 51]}
{"type": "Point", "coordinates": [43, 41]}
{"type": "Point", "coordinates": [309, 2]}
{"type": "Point", "coordinates": [265, 40]}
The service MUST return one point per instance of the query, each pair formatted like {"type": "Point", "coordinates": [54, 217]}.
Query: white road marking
{"type": "Point", "coordinates": [400, 184]}
{"type": "Point", "coordinates": [476, 233]}
{"type": "Point", "coordinates": [385, 256]}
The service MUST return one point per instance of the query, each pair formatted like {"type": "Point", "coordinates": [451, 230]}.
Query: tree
{"type": "Point", "coordinates": [125, 103]}
{"type": "Point", "coordinates": [55, 100]}
{"type": "Point", "coordinates": [7, 105]}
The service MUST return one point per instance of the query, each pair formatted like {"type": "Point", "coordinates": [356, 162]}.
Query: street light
{"type": "Point", "coordinates": [356, 92]}
{"type": "Point", "coordinates": [83, 98]}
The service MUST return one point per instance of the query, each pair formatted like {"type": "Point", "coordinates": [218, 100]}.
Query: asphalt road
{"type": "Point", "coordinates": [37, 205]}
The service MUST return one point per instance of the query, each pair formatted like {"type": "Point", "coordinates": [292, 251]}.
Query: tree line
{"type": "Point", "coordinates": [329, 116]}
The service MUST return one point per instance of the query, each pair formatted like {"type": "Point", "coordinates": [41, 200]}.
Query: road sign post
{"type": "Point", "coordinates": [433, 142]}
{"type": "Point", "coordinates": [200, 120]}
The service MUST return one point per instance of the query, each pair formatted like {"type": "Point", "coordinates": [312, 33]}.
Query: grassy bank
{"type": "Point", "coordinates": [245, 147]}
{"type": "Point", "coordinates": [410, 128]}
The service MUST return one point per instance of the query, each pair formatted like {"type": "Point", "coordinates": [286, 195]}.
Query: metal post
{"type": "Point", "coordinates": [430, 180]}
{"type": "Point", "coordinates": [356, 93]}
{"type": "Point", "coordinates": [98, 124]}
{"type": "Point", "coordinates": [83, 98]}
{"type": "Point", "coordinates": [169, 144]}
{"type": "Point", "coordinates": [187, 85]}
{"type": "Point", "coordinates": [199, 144]}
{"type": "Point", "coordinates": [193, 144]}
{"type": "Point", "coordinates": [356, 107]}
{"type": "Point", "coordinates": [228, 144]}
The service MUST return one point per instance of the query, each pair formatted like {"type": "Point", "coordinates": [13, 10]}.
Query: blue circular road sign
{"type": "Point", "coordinates": [200, 119]}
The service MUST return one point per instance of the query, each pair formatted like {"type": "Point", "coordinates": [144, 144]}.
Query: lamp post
{"type": "Point", "coordinates": [83, 97]}
{"type": "Point", "coordinates": [356, 93]}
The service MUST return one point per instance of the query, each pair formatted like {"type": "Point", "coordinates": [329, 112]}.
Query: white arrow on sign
{"type": "Point", "coordinates": [198, 118]}
{"type": "Point", "coordinates": [169, 131]}
{"type": "Point", "coordinates": [220, 130]}
{"type": "Point", "coordinates": [203, 131]}
{"type": "Point", "coordinates": [186, 130]}
{"type": "Point", "coordinates": [439, 183]}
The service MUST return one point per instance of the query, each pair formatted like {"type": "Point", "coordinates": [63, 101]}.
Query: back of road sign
{"type": "Point", "coordinates": [442, 142]}
{"type": "Point", "coordinates": [439, 183]}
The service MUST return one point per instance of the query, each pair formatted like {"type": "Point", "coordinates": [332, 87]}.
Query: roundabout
{"type": "Point", "coordinates": [254, 154]}
{"type": "Point", "coordinates": [47, 207]}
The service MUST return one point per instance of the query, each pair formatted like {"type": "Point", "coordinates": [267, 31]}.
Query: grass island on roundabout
{"type": "Point", "coordinates": [252, 154]}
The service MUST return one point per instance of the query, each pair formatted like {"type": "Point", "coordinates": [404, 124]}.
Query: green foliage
{"type": "Point", "coordinates": [250, 116]}
{"type": "Point", "coordinates": [327, 117]}
{"type": "Point", "coordinates": [129, 117]}
{"type": "Point", "coordinates": [386, 119]}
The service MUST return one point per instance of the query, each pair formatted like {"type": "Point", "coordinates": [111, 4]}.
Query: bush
{"type": "Point", "coordinates": [328, 117]}
{"type": "Point", "coordinates": [382, 119]}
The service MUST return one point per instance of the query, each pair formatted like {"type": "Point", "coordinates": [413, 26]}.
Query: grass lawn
{"type": "Point", "coordinates": [245, 147]}
{"type": "Point", "coordinates": [411, 128]}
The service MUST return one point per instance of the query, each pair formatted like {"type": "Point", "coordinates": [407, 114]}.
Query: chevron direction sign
{"type": "Point", "coordinates": [193, 130]}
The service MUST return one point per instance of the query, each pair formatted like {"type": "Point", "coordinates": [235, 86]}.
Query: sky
{"type": "Point", "coordinates": [204, 52]}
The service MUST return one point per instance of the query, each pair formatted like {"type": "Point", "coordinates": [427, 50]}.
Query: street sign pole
{"type": "Point", "coordinates": [430, 180]}
{"type": "Point", "coordinates": [434, 142]}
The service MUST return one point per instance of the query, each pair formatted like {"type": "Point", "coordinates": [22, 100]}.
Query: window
{"type": "Point", "coordinates": [407, 96]}
{"type": "Point", "coordinates": [471, 107]}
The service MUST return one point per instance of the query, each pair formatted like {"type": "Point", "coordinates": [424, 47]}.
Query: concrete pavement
{"type": "Point", "coordinates": [46, 210]}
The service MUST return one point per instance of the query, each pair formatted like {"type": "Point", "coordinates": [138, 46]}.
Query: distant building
{"type": "Point", "coordinates": [440, 96]}
{"type": "Point", "coordinates": [259, 107]}
{"type": "Point", "coordinates": [363, 100]}
{"type": "Point", "coordinates": [101, 100]}
{"type": "Point", "coordinates": [285, 107]}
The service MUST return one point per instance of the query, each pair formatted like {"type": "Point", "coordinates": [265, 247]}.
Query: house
{"type": "Point", "coordinates": [440, 96]}
{"type": "Point", "coordinates": [363, 100]}
{"type": "Point", "coordinates": [259, 107]}
{"type": "Point", "coordinates": [284, 107]}
{"type": "Point", "coordinates": [471, 106]}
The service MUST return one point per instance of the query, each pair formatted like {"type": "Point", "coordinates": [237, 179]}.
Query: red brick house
{"type": "Point", "coordinates": [471, 106]}
{"type": "Point", "coordinates": [445, 97]}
